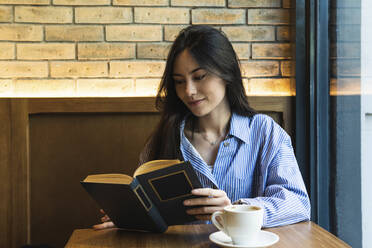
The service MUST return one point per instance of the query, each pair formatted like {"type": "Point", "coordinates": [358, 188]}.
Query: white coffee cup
{"type": "Point", "coordinates": [241, 222]}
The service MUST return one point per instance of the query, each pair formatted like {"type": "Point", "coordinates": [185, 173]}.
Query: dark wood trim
{"type": "Point", "coordinates": [6, 233]}
{"type": "Point", "coordinates": [20, 171]}
{"type": "Point", "coordinates": [94, 105]}
{"type": "Point", "coordinates": [282, 104]}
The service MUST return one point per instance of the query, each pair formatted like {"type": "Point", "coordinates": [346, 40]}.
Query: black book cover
{"type": "Point", "coordinates": [168, 188]}
{"type": "Point", "coordinates": [151, 201]}
{"type": "Point", "coordinates": [121, 203]}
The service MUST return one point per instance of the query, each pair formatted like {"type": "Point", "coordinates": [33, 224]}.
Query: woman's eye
{"type": "Point", "coordinates": [178, 81]}
{"type": "Point", "coordinates": [200, 77]}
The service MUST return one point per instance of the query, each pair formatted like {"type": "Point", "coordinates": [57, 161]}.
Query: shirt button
{"type": "Point", "coordinates": [226, 144]}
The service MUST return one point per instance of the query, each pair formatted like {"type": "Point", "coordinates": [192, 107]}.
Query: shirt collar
{"type": "Point", "coordinates": [239, 127]}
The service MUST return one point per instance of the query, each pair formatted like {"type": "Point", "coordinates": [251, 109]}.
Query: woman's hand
{"type": "Point", "coordinates": [106, 222]}
{"type": "Point", "coordinates": [210, 200]}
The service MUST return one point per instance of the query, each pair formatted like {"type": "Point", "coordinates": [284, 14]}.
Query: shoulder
{"type": "Point", "coordinates": [262, 122]}
{"type": "Point", "coordinates": [267, 128]}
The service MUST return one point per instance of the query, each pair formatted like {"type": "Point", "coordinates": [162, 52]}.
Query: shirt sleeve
{"type": "Point", "coordinates": [283, 196]}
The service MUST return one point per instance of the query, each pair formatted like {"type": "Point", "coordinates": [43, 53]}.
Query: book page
{"type": "Point", "coordinates": [109, 178]}
{"type": "Point", "coordinates": [155, 165]}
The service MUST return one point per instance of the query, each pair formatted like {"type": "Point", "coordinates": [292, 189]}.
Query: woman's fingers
{"type": "Point", "coordinates": [203, 217]}
{"type": "Point", "coordinates": [106, 222]}
{"type": "Point", "coordinates": [223, 201]}
{"type": "Point", "coordinates": [209, 192]}
{"type": "Point", "coordinates": [104, 225]}
{"type": "Point", "coordinates": [105, 218]}
{"type": "Point", "coordinates": [211, 197]}
{"type": "Point", "coordinates": [210, 200]}
{"type": "Point", "coordinates": [204, 210]}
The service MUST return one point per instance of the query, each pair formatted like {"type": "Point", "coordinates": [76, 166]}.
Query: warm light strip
{"type": "Point", "coordinates": [51, 95]}
{"type": "Point", "coordinates": [123, 87]}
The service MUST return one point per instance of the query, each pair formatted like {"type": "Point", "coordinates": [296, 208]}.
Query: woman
{"type": "Point", "coordinates": [239, 156]}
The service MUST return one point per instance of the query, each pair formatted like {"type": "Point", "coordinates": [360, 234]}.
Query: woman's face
{"type": "Point", "coordinates": [202, 92]}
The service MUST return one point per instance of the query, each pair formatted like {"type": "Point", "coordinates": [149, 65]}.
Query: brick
{"type": "Point", "coordinates": [204, 3]}
{"type": "Point", "coordinates": [106, 51]}
{"type": "Point", "coordinates": [283, 33]}
{"type": "Point", "coordinates": [345, 16]}
{"type": "Point", "coordinates": [44, 88]}
{"type": "Point", "coordinates": [147, 87]}
{"type": "Point", "coordinates": [287, 68]}
{"type": "Point", "coordinates": [253, 3]}
{"type": "Point", "coordinates": [20, 32]}
{"type": "Point", "coordinates": [268, 16]}
{"type": "Point", "coordinates": [269, 86]}
{"type": "Point", "coordinates": [7, 50]}
{"type": "Point", "coordinates": [271, 51]}
{"type": "Point", "coordinates": [243, 33]}
{"type": "Point", "coordinates": [243, 50]}
{"type": "Point", "coordinates": [345, 50]}
{"type": "Point", "coordinates": [6, 14]}
{"type": "Point", "coordinates": [17, 69]}
{"type": "Point", "coordinates": [105, 87]}
{"type": "Point", "coordinates": [103, 15]}
{"type": "Point", "coordinates": [45, 51]}
{"type": "Point", "coordinates": [141, 2]}
{"type": "Point", "coordinates": [6, 87]}
{"type": "Point", "coordinates": [43, 14]}
{"type": "Point", "coordinates": [153, 50]}
{"type": "Point", "coordinates": [345, 68]}
{"type": "Point", "coordinates": [73, 33]}
{"type": "Point", "coordinates": [348, 33]}
{"type": "Point", "coordinates": [162, 15]}
{"type": "Point", "coordinates": [287, 3]}
{"type": "Point", "coordinates": [260, 68]}
{"type": "Point", "coordinates": [33, 2]}
{"type": "Point", "coordinates": [346, 86]}
{"type": "Point", "coordinates": [136, 68]}
{"type": "Point", "coordinates": [345, 4]}
{"type": "Point", "coordinates": [218, 16]}
{"type": "Point", "coordinates": [78, 69]}
{"type": "Point", "coordinates": [81, 2]}
{"type": "Point", "coordinates": [171, 31]}
{"type": "Point", "coordinates": [134, 33]}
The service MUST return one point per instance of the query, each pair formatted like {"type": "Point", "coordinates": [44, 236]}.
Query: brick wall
{"type": "Point", "coordinates": [118, 47]}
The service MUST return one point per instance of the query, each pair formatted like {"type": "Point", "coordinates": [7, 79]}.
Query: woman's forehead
{"type": "Point", "coordinates": [185, 63]}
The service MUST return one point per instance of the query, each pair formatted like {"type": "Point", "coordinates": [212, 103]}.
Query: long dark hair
{"type": "Point", "coordinates": [213, 52]}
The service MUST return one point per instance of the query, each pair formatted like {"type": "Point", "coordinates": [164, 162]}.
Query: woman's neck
{"type": "Point", "coordinates": [214, 123]}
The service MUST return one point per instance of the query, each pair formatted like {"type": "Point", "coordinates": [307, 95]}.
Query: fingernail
{"type": "Point", "coordinates": [186, 202]}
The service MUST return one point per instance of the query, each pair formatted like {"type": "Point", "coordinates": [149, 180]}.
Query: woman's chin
{"type": "Point", "coordinates": [198, 113]}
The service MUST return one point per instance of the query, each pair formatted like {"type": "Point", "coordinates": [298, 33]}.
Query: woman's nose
{"type": "Point", "coordinates": [190, 88]}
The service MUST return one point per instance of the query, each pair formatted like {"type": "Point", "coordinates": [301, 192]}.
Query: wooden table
{"type": "Point", "coordinates": [305, 234]}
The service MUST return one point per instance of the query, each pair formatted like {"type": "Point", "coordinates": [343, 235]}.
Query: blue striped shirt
{"type": "Point", "coordinates": [255, 165]}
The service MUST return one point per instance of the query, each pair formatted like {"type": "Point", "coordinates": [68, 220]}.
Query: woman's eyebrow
{"type": "Point", "coordinates": [191, 72]}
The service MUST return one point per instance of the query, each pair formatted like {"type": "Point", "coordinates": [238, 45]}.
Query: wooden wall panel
{"type": "Point", "coordinates": [64, 149]}
{"type": "Point", "coordinates": [48, 145]}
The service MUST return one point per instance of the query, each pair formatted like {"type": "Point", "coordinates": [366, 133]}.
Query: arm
{"type": "Point", "coordinates": [283, 194]}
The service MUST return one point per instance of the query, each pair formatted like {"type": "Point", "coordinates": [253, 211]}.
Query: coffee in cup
{"type": "Point", "coordinates": [241, 222]}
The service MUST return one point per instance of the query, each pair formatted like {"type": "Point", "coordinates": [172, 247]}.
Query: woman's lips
{"type": "Point", "coordinates": [195, 103]}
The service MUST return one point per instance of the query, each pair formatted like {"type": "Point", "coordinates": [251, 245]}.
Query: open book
{"type": "Point", "coordinates": [151, 200]}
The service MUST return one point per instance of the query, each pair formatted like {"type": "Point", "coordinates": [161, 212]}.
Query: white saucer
{"type": "Point", "coordinates": [265, 239]}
